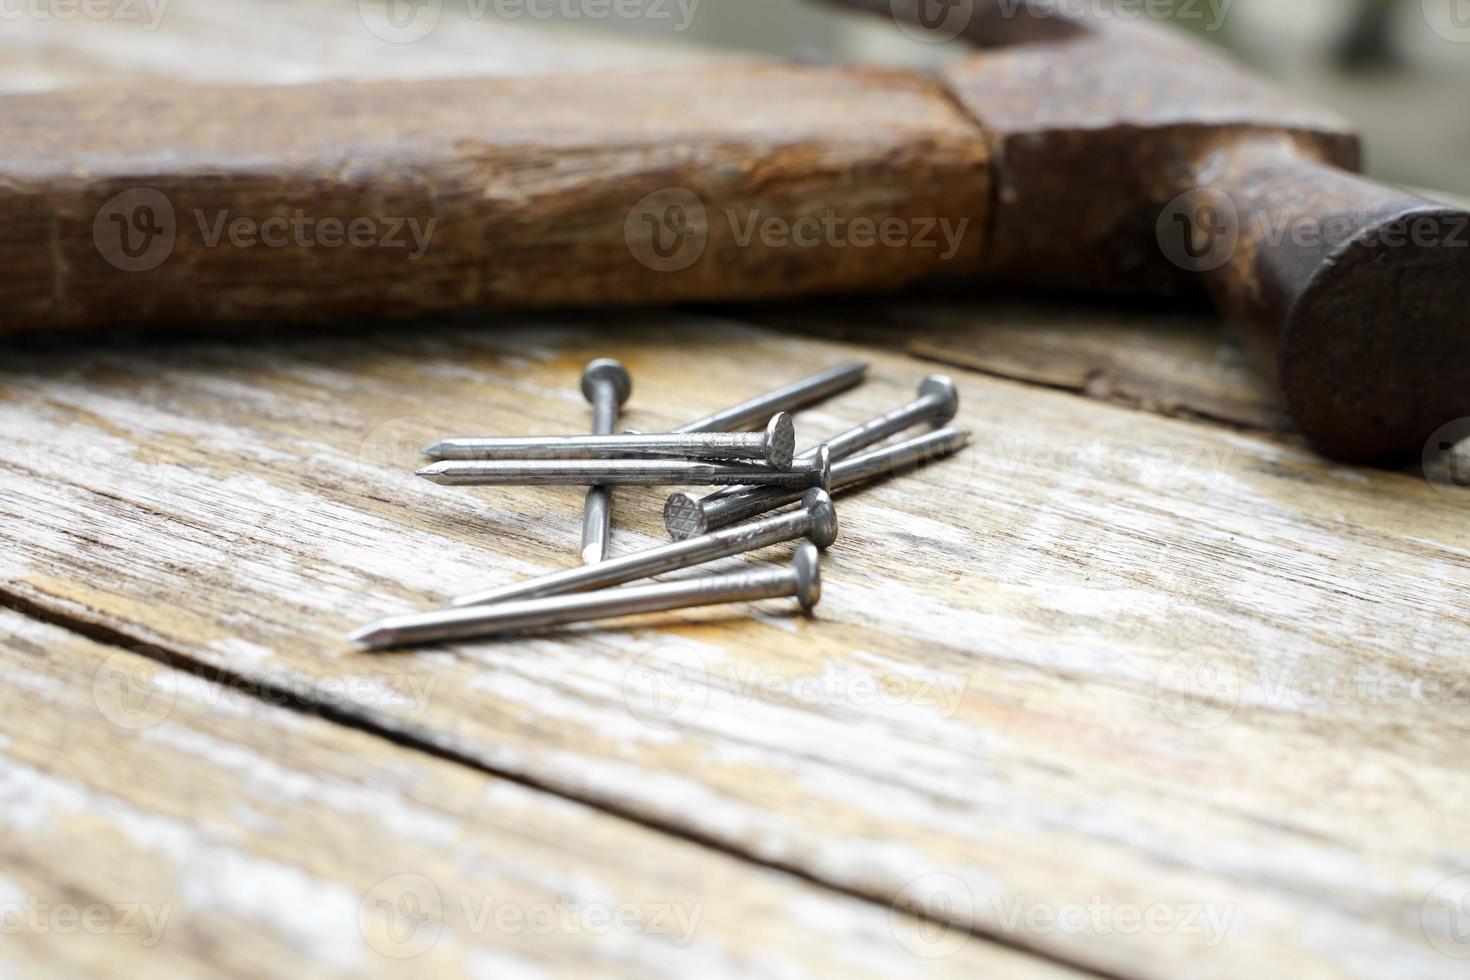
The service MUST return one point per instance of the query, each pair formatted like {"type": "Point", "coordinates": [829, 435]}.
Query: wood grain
{"type": "Point", "coordinates": [219, 833]}
{"type": "Point", "coordinates": [1100, 660]}
{"type": "Point", "coordinates": [1105, 660]}
{"type": "Point", "coordinates": [187, 204]}
{"type": "Point", "coordinates": [1178, 363]}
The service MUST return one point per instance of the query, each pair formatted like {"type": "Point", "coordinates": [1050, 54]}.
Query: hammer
{"type": "Point", "coordinates": [1128, 159]}
{"type": "Point", "coordinates": [1075, 153]}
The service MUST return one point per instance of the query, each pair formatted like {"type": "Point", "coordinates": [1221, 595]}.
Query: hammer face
{"type": "Point", "coordinates": [1352, 295]}
{"type": "Point", "coordinates": [1374, 356]}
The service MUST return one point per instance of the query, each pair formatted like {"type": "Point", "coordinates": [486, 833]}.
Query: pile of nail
{"type": "Point", "coordinates": [759, 472]}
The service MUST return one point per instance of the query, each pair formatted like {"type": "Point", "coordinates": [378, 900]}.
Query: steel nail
{"type": "Point", "coordinates": [627, 472]}
{"type": "Point", "coordinates": [607, 385]}
{"type": "Point", "coordinates": [938, 400]}
{"type": "Point", "coordinates": [816, 519]}
{"type": "Point", "coordinates": [801, 579]}
{"type": "Point", "coordinates": [805, 391]}
{"type": "Point", "coordinates": [686, 515]}
{"type": "Point", "coordinates": [775, 446]}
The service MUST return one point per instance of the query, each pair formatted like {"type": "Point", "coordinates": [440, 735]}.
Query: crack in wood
{"type": "Point", "coordinates": [290, 700]}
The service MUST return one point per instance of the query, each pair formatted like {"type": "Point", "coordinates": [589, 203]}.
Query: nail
{"type": "Point", "coordinates": [607, 385]}
{"type": "Point", "coordinates": [627, 472]}
{"type": "Point", "coordinates": [938, 401]}
{"type": "Point", "coordinates": [806, 391]}
{"type": "Point", "coordinates": [816, 519]}
{"type": "Point", "coordinates": [774, 446]}
{"type": "Point", "coordinates": [801, 579]}
{"type": "Point", "coordinates": [686, 515]}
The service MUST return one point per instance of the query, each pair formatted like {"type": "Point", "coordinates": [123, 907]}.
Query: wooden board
{"type": "Point", "coordinates": [1076, 663]}
{"type": "Point", "coordinates": [1170, 361]}
{"type": "Point", "coordinates": [161, 823]}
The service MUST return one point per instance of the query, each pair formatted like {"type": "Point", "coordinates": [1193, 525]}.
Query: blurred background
{"type": "Point", "coordinates": [1399, 68]}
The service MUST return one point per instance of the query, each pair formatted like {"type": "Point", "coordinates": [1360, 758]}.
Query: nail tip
{"type": "Point", "coordinates": [366, 637]}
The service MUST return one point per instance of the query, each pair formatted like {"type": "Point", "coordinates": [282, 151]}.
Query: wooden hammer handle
{"type": "Point", "coordinates": [302, 203]}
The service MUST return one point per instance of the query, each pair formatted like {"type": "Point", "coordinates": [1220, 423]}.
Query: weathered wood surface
{"type": "Point", "coordinates": [218, 833]}
{"type": "Point", "coordinates": [1103, 659]}
{"type": "Point", "coordinates": [1106, 659]}
{"type": "Point", "coordinates": [1173, 362]}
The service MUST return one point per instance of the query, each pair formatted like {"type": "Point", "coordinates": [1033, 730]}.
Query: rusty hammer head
{"type": "Point", "coordinates": [1130, 159]}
